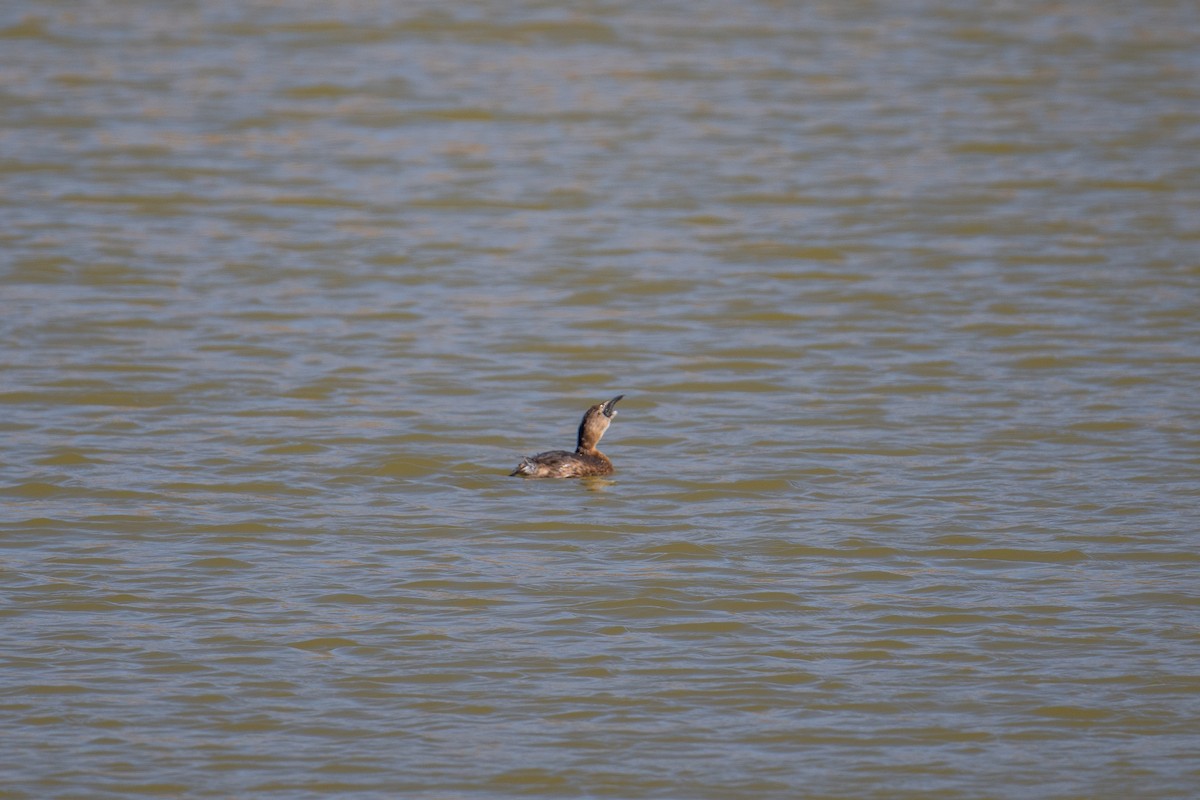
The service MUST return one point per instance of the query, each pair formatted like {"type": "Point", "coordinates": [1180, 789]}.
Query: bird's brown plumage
{"type": "Point", "coordinates": [586, 460]}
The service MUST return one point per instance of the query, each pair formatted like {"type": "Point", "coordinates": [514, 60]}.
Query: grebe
{"type": "Point", "coordinates": [586, 460]}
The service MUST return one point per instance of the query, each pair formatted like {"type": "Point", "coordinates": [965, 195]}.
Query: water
{"type": "Point", "coordinates": [903, 298]}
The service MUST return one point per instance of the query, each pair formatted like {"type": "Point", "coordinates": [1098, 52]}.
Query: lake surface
{"type": "Point", "coordinates": [904, 299]}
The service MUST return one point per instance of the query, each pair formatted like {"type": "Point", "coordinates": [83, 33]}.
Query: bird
{"type": "Point", "coordinates": [586, 460]}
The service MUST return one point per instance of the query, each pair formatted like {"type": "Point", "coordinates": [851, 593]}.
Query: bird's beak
{"type": "Point", "coordinates": [608, 409]}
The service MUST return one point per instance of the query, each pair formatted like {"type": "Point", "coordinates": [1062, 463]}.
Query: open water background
{"type": "Point", "coordinates": [903, 297]}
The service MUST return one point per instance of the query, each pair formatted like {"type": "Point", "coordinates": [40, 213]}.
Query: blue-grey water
{"type": "Point", "coordinates": [904, 299]}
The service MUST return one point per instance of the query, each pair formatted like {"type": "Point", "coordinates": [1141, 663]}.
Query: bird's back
{"type": "Point", "coordinates": [563, 464]}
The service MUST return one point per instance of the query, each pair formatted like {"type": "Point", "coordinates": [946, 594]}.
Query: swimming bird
{"type": "Point", "coordinates": [586, 460]}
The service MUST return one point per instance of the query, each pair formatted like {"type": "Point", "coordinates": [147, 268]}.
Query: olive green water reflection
{"type": "Point", "coordinates": [902, 298]}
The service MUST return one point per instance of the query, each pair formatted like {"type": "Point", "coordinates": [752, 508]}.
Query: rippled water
{"type": "Point", "coordinates": [902, 297]}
